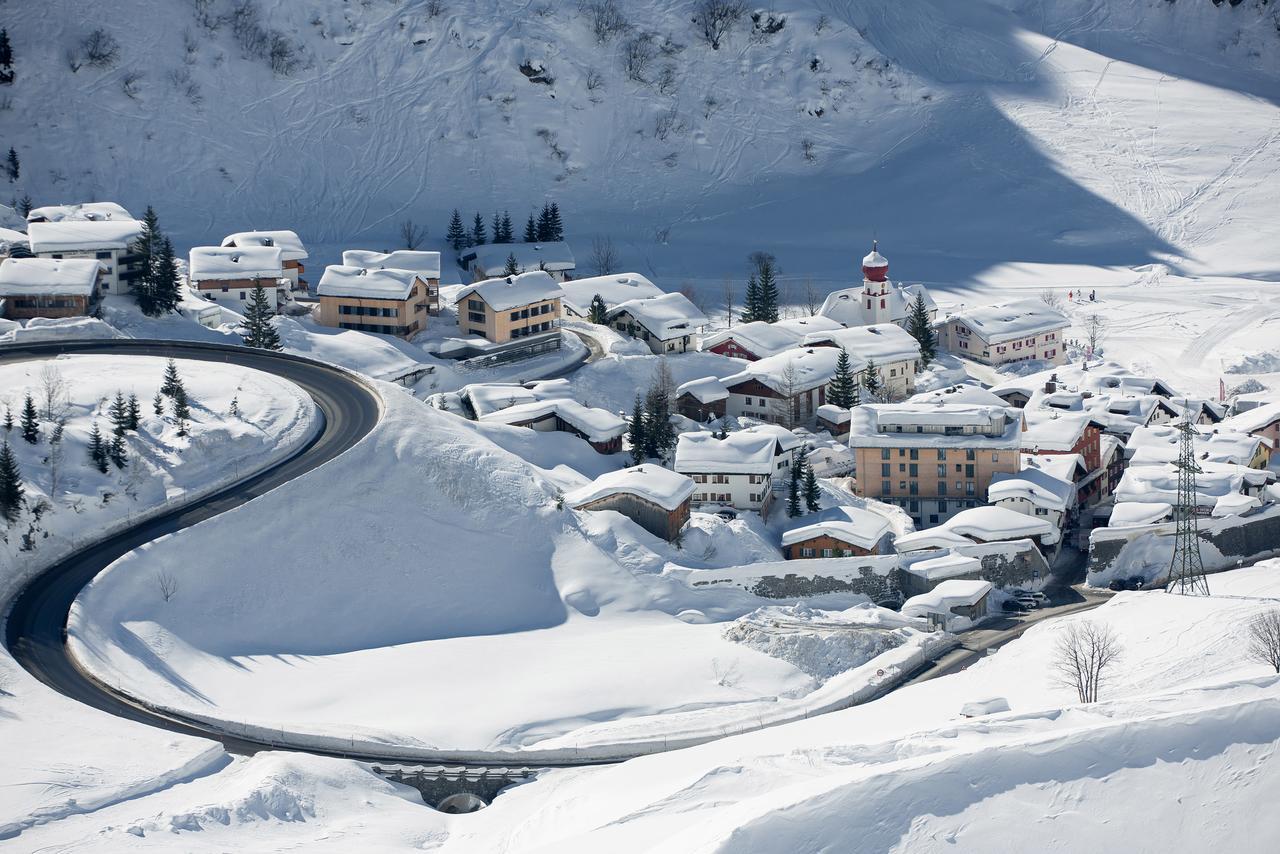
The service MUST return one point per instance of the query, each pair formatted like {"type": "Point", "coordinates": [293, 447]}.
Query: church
{"type": "Point", "coordinates": [879, 300]}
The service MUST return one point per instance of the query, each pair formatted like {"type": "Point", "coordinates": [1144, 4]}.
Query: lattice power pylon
{"type": "Point", "coordinates": [1186, 573]}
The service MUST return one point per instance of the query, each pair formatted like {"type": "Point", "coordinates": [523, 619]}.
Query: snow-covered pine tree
{"type": "Point", "coordinates": [478, 236]}
{"type": "Point", "coordinates": [157, 404]}
{"type": "Point", "coordinates": [812, 494]}
{"type": "Point", "coordinates": [794, 505]}
{"type": "Point", "coordinates": [530, 231]}
{"type": "Point", "coordinates": [767, 272]}
{"type": "Point", "coordinates": [508, 236]}
{"type": "Point", "coordinates": [8, 419]}
{"type": "Point", "coordinates": [12, 166]}
{"type": "Point", "coordinates": [751, 304]}
{"type": "Point", "coordinates": [513, 266]}
{"type": "Point", "coordinates": [11, 488]}
{"type": "Point", "coordinates": [135, 412]}
{"type": "Point", "coordinates": [922, 330]}
{"type": "Point", "coordinates": [97, 449]}
{"type": "Point", "coordinates": [844, 387]}
{"type": "Point", "coordinates": [6, 60]}
{"type": "Point", "coordinates": [555, 223]}
{"type": "Point", "coordinates": [119, 413]}
{"type": "Point", "coordinates": [167, 287]}
{"type": "Point", "coordinates": [145, 246]}
{"type": "Point", "coordinates": [636, 432]}
{"type": "Point", "coordinates": [25, 204]}
{"type": "Point", "coordinates": [117, 452]}
{"type": "Point", "coordinates": [172, 380]}
{"type": "Point", "coordinates": [495, 228]}
{"type": "Point", "coordinates": [871, 380]}
{"type": "Point", "coordinates": [30, 423]}
{"type": "Point", "coordinates": [258, 331]}
{"type": "Point", "coordinates": [599, 311]}
{"type": "Point", "coordinates": [660, 437]}
{"type": "Point", "coordinates": [544, 223]}
{"type": "Point", "coordinates": [457, 233]}
{"type": "Point", "coordinates": [181, 410]}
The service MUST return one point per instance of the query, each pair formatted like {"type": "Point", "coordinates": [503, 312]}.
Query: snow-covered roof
{"type": "Point", "coordinates": [846, 306]}
{"type": "Point", "coordinates": [513, 291]}
{"type": "Point", "coordinates": [738, 453]}
{"type": "Point", "coordinates": [1156, 444]}
{"type": "Point", "coordinates": [1258, 418]}
{"type": "Point", "coordinates": [947, 565]}
{"type": "Point", "coordinates": [555, 256]}
{"type": "Point", "coordinates": [953, 593]}
{"type": "Point", "coordinates": [1160, 482]}
{"type": "Point", "coordinates": [425, 264]}
{"type": "Point", "coordinates": [768, 339]}
{"type": "Point", "coordinates": [48, 277]}
{"type": "Point", "coordinates": [787, 439]}
{"type": "Point", "coordinates": [1022, 318]}
{"type": "Point", "coordinates": [613, 289]}
{"type": "Point", "coordinates": [666, 316]}
{"type": "Point", "coordinates": [963, 393]}
{"type": "Point", "coordinates": [892, 425]}
{"type": "Point", "coordinates": [221, 263]}
{"type": "Point", "coordinates": [288, 242]}
{"type": "Point", "coordinates": [834, 414]}
{"type": "Point", "coordinates": [490, 397]}
{"type": "Point", "coordinates": [704, 389]}
{"type": "Point", "coordinates": [985, 523]}
{"type": "Point", "coordinates": [874, 259]}
{"type": "Point", "coordinates": [84, 212]}
{"type": "Point", "coordinates": [660, 486]}
{"type": "Point", "coordinates": [1034, 485]}
{"type": "Point", "coordinates": [1101, 378]}
{"type": "Point", "coordinates": [1130, 514]}
{"type": "Point", "coordinates": [854, 525]}
{"type": "Point", "coordinates": [1066, 467]}
{"type": "Point", "coordinates": [930, 538]}
{"type": "Point", "coordinates": [598, 425]}
{"type": "Point", "coordinates": [1054, 430]}
{"type": "Point", "coordinates": [9, 237]}
{"type": "Point", "coordinates": [791, 370]}
{"type": "Point", "coordinates": [1234, 504]}
{"type": "Point", "coordinates": [361, 283]}
{"type": "Point", "coordinates": [883, 342]}
{"type": "Point", "coordinates": [82, 235]}
{"type": "Point", "coordinates": [1197, 406]}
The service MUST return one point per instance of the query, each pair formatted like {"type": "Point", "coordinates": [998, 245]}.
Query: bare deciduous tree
{"type": "Point", "coordinates": [131, 83]}
{"type": "Point", "coordinates": [412, 234]}
{"type": "Point", "coordinates": [726, 297]}
{"type": "Point", "coordinates": [812, 298]}
{"type": "Point", "coordinates": [55, 398]}
{"type": "Point", "coordinates": [167, 584]}
{"type": "Point", "coordinates": [100, 49]}
{"type": "Point", "coordinates": [715, 18]}
{"type": "Point", "coordinates": [1084, 652]}
{"type": "Point", "coordinates": [1052, 298]}
{"type": "Point", "coordinates": [790, 386]}
{"type": "Point", "coordinates": [1264, 639]}
{"type": "Point", "coordinates": [604, 258]}
{"type": "Point", "coordinates": [1095, 332]}
{"type": "Point", "coordinates": [637, 56]}
{"type": "Point", "coordinates": [605, 18]}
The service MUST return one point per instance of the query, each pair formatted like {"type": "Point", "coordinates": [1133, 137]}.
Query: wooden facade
{"type": "Point", "coordinates": [692, 408]}
{"type": "Point", "coordinates": [45, 305]}
{"type": "Point", "coordinates": [654, 518]}
{"type": "Point", "coordinates": [826, 546]}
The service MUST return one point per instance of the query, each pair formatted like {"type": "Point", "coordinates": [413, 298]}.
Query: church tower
{"type": "Point", "coordinates": [876, 298]}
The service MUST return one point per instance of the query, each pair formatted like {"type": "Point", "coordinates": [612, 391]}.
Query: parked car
{"type": "Point", "coordinates": [1029, 602]}
{"type": "Point", "coordinates": [1117, 584]}
{"type": "Point", "coordinates": [1136, 582]}
{"type": "Point", "coordinates": [1014, 605]}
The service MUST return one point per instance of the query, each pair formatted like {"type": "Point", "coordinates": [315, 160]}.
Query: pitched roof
{"type": "Point", "coordinates": [738, 453]}
{"type": "Point", "coordinates": [953, 593]}
{"type": "Point", "coordinates": [48, 276]}
{"type": "Point", "coordinates": [613, 289]}
{"type": "Point", "coordinates": [85, 211]}
{"type": "Point", "coordinates": [854, 525]}
{"type": "Point", "coordinates": [598, 425]}
{"type": "Point", "coordinates": [220, 263]}
{"type": "Point", "coordinates": [655, 484]}
{"type": "Point", "coordinates": [1034, 485]}
{"type": "Point", "coordinates": [769, 339]}
{"type": "Point", "coordinates": [811, 368]}
{"type": "Point", "coordinates": [290, 245]}
{"type": "Point", "coordinates": [425, 264]}
{"type": "Point", "coordinates": [513, 291]}
{"type": "Point", "coordinates": [666, 316]}
{"type": "Point", "coordinates": [81, 235]}
{"type": "Point", "coordinates": [883, 342]}
{"type": "Point", "coordinates": [846, 306]}
{"type": "Point", "coordinates": [555, 256]}
{"type": "Point", "coordinates": [357, 282]}
{"type": "Point", "coordinates": [1010, 320]}
{"type": "Point", "coordinates": [704, 389]}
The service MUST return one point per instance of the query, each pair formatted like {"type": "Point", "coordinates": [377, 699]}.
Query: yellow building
{"type": "Point", "coordinates": [510, 308]}
{"type": "Point", "coordinates": [390, 302]}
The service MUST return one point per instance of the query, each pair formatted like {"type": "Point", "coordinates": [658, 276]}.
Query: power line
{"type": "Point", "coordinates": [1186, 572]}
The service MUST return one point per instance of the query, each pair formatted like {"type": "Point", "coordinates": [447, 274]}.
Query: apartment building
{"type": "Point", "coordinates": [105, 240]}
{"type": "Point", "coordinates": [932, 460]}
{"type": "Point", "coordinates": [512, 307]}
{"type": "Point", "coordinates": [425, 264]}
{"type": "Point", "coordinates": [668, 323]}
{"type": "Point", "coordinates": [390, 302]}
{"type": "Point", "coordinates": [228, 276]}
{"type": "Point", "coordinates": [895, 353]}
{"type": "Point", "coordinates": [292, 252]}
{"type": "Point", "coordinates": [1017, 331]}
{"type": "Point", "coordinates": [736, 471]}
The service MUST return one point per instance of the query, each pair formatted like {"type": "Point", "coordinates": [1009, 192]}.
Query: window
{"type": "Point", "coordinates": [913, 505]}
{"type": "Point", "coordinates": [475, 317]}
{"type": "Point", "coordinates": [884, 487]}
{"type": "Point", "coordinates": [942, 470]}
{"type": "Point", "coordinates": [968, 487]}
{"type": "Point", "coordinates": [942, 453]}
{"type": "Point", "coordinates": [806, 552]}
{"type": "Point", "coordinates": [968, 471]}
{"type": "Point", "coordinates": [242, 295]}
{"type": "Point", "coordinates": [915, 488]}
{"type": "Point", "coordinates": [884, 453]}
{"type": "Point", "coordinates": [828, 553]}
{"type": "Point", "coordinates": [515, 315]}
{"type": "Point", "coordinates": [942, 507]}
{"type": "Point", "coordinates": [942, 487]}
{"type": "Point", "coordinates": [915, 453]}
{"type": "Point", "coordinates": [995, 456]}
{"type": "Point", "coordinates": [933, 518]}
{"type": "Point", "coordinates": [970, 454]}
{"type": "Point", "coordinates": [846, 553]}
{"type": "Point", "coordinates": [884, 469]}
{"type": "Point", "coordinates": [902, 486]}
{"type": "Point", "coordinates": [475, 304]}
{"type": "Point", "coordinates": [902, 467]}
{"type": "Point", "coordinates": [102, 255]}
{"type": "Point", "coordinates": [720, 478]}
{"type": "Point", "coordinates": [914, 470]}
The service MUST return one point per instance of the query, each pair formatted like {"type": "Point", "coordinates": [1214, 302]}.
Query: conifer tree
{"type": "Point", "coordinates": [119, 414]}
{"type": "Point", "coordinates": [495, 228]}
{"type": "Point", "coordinates": [11, 488]}
{"type": "Point", "coordinates": [812, 494]}
{"type": "Point", "coordinates": [258, 330]}
{"type": "Point", "coordinates": [116, 451]}
{"type": "Point", "coordinates": [659, 436]}
{"type": "Point", "coordinates": [97, 449]}
{"type": "Point", "coordinates": [11, 165]}
{"type": "Point", "coordinates": [530, 231]}
{"type": "Point", "coordinates": [8, 418]}
{"type": "Point", "coordinates": [794, 506]}
{"type": "Point", "coordinates": [508, 236]}
{"type": "Point", "coordinates": [181, 411]}
{"type": "Point", "coordinates": [599, 312]}
{"type": "Point", "coordinates": [30, 424]}
{"type": "Point", "coordinates": [157, 404]}
{"type": "Point", "coordinates": [751, 305]}
{"type": "Point", "coordinates": [172, 380]}
{"type": "Point", "coordinates": [478, 236]}
{"type": "Point", "coordinates": [844, 387]}
{"type": "Point", "coordinates": [6, 59]}
{"type": "Point", "coordinates": [457, 233]}
{"type": "Point", "coordinates": [146, 246]}
{"type": "Point", "coordinates": [768, 288]}
{"type": "Point", "coordinates": [166, 289]}
{"type": "Point", "coordinates": [513, 266]}
{"type": "Point", "coordinates": [871, 380]}
{"type": "Point", "coordinates": [636, 433]}
{"type": "Point", "coordinates": [135, 412]}
{"type": "Point", "coordinates": [544, 223]}
{"type": "Point", "coordinates": [554, 223]}
{"type": "Point", "coordinates": [25, 204]}
{"type": "Point", "coordinates": [922, 330]}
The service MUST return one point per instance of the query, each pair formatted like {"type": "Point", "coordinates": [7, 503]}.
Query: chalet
{"type": "Point", "coordinates": [1018, 331]}
{"type": "Point", "coordinates": [1050, 431]}
{"type": "Point", "coordinates": [759, 340]}
{"type": "Point", "coordinates": [786, 449]}
{"type": "Point", "coordinates": [834, 420]}
{"type": "Point", "coordinates": [933, 460]}
{"type": "Point", "coordinates": [489, 261]}
{"type": "Point", "coordinates": [511, 307]}
{"type": "Point", "coordinates": [839, 532]}
{"type": "Point", "coordinates": [228, 276]}
{"type": "Point", "coordinates": [655, 498]}
{"type": "Point", "coordinates": [602, 429]}
{"type": "Point", "coordinates": [895, 353]}
{"type": "Point", "coordinates": [970, 393]}
{"type": "Point", "coordinates": [425, 264]}
{"type": "Point", "coordinates": [954, 605]}
{"type": "Point", "coordinates": [1159, 444]}
{"type": "Point", "coordinates": [984, 524]}
{"type": "Point", "coordinates": [389, 302]}
{"type": "Point", "coordinates": [47, 287]}
{"type": "Point", "coordinates": [667, 323]}
{"type": "Point", "coordinates": [106, 240]}
{"type": "Point", "coordinates": [613, 290]}
{"type": "Point", "coordinates": [702, 400]}
{"type": "Point", "coordinates": [1099, 379]}
{"type": "Point", "coordinates": [736, 471]}
{"type": "Point", "coordinates": [1035, 492]}
{"type": "Point", "coordinates": [292, 252]}
{"type": "Point", "coordinates": [879, 300]}
{"type": "Point", "coordinates": [1220, 487]}
{"type": "Point", "coordinates": [784, 389]}
{"type": "Point", "coordinates": [14, 244]}
{"type": "Point", "coordinates": [84, 212]}
{"type": "Point", "coordinates": [1201, 410]}
{"type": "Point", "coordinates": [1261, 421]}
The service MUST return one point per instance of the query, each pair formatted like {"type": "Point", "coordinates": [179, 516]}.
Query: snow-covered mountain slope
{"type": "Point", "coordinates": [1087, 132]}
